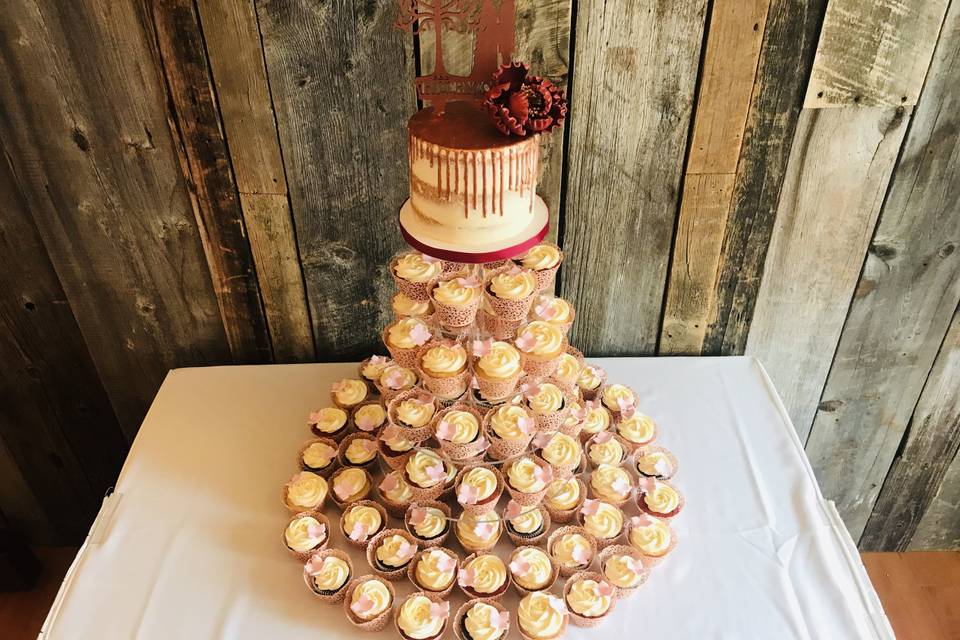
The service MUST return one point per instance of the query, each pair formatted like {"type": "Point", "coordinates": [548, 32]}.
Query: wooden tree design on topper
{"type": "Point", "coordinates": [493, 23]}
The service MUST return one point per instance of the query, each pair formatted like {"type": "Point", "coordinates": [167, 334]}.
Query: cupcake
{"type": "Point", "coordinates": [541, 616]}
{"type": "Point", "coordinates": [606, 448]}
{"type": "Point", "coordinates": [443, 368]}
{"type": "Point", "coordinates": [329, 422]}
{"type": "Point", "coordinates": [637, 430]}
{"type": "Point", "coordinates": [420, 618]}
{"type": "Point", "coordinates": [532, 570]}
{"type": "Point", "coordinates": [526, 525]}
{"type": "Point", "coordinates": [527, 478]}
{"type": "Point", "coordinates": [655, 462]}
{"type": "Point", "coordinates": [573, 421]}
{"type": "Point", "coordinates": [370, 370]}
{"type": "Point", "coordinates": [395, 380]}
{"type": "Point", "coordinates": [492, 325]}
{"type": "Point", "coordinates": [589, 598]}
{"type": "Point", "coordinates": [412, 273]}
{"type": "Point", "coordinates": [306, 491]}
{"type": "Point", "coordinates": [358, 450]}
{"type": "Point", "coordinates": [510, 291]}
{"type": "Point", "coordinates": [548, 404]}
{"type": "Point", "coordinates": [395, 493]}
{"type": "Point", "coordinates": [563, 499]}
{"type": "Point", "coordinates": [658, 498]}
{"type": "Point", "coordinates": [543, 259]}
{"type": "Point", "coordinates": [395, 449]}
{"type": "Point", "coordinates": [428, 522]}
{"type": "Point", "coordinates": [561, 452]}
{"type": "Point", "coordinates": [568, 370]}
{"type": "Point", "coordinates": [619, 399]}
{"type": "Point", "coordinates": [369, 417]}
{"type": "Point", "coordinates": [404, 337]}
{"type": "Point", "coordinates": [406, 307]}
{"type": "Point", "coordinates": [601, 520]}
{"type": "Point", "coordinates": [348, 392]}
{"type": "Point", "coordinates": [479, 619]}
{"type": "Point", "coordinates": [610, 484]}
{"type": "Point", "coordinates": [478, 488]}
{"type": "Point", "coordinates": [509, 429]}
{"type": "Point", "coordinates": [456, 298]}
{"type": "Point", "coordinates": [413, 411]}
{"type": "Point", "coordinates": [368, 602]}
{"type": "Point", "coordinates": [652, 537]}
{"type": "Point", "coordinates": [478, 532]}
{"type": "Point", "coordinates": [327, 573]}
{"type": "Point", "coordinates": [361, 521]}
{"type": "Point", "coordinates": [389, 553]}
{"type": "Point", "coordinates": [426, 473]}
{"type": "Point", "coordinates": [590, 380]}
{"type": "Point", "coordinates": [434, 571]}
{"type": "Point", "coordinates": [572, 549]}
{"type": "Point", "coordinates": [457, 429]}
{"type": "Point", "coordinates": [483, 575]}
{"type": "Point", "coordinates": [543, 344]}
{"type": "Point", "coordinates": [306, 533]}
{"type": "Point", "coordinates": [350, 484]}
{"type": "Point", "coordinates": [594, 419]}
{"type": "Point", "coordinates": [318, 456]}
{"type": "Point", "coordinates": [622, 566]}
{"type": "Point", "coordinates": [497, 367]}
{"type": "Point", "coordinates": [556, 311]}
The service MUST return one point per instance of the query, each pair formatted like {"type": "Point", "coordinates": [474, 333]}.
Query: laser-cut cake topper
{"type": "Point", "coordinates": [493, 23]}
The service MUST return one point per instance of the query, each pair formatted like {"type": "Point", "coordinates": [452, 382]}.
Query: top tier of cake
{"type": "Point", "coordinates": [467, 177]}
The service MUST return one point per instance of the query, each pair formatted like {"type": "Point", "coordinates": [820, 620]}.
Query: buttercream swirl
{"type": "Point", "coordinates": [329, 419]}
{"type": "Point", "coordinates": [563, 494]}
{"type": "Point", "coordinates": [397, 378]}
{"type": "Point", "coordinates": [350, 392]}
{"type": "Point", "coordinates": [400, 492]}
{"type": "Point", "coordinates": [370, 414]}
{"type": "Point", "coordinates": [418, 465]}
{"type": "Point", "coordinates": [606, 523]}
{"type": "Point", "coordinates": [540, 257]}
{"type": "Point", "coordinates": [585, 598]}
{"type": "Point", "coordinates": [454, 293]}
{"type": "Point", "coordinates": [648, 461]}
{"type": "Point", "coordinates": [609, 452]}
{"type": "Point", "coordinates": [359, 451]}
{"type": "Point", "coordinates": [416, 620]}
{"type": "Point", "coordinates": [663, 499]}
{"type": "Point", "coordinates": [525, 476]}
{"type": "Point", "coordinates": [482, 480]}
{"type": "Point", "coordinates": [529, 521]}
{"type": "Point", "coordinates": [365, 516]}
{"type": "Point", "coordinates": [568, 368]}
{"type": "Point", "coordinates": [464, 424]}
{"type": "Point", "coordinates": [413, 268]}
{"type": "Point", "coordinates": [430, 571]}
{"type": "Point", "coordinates": [562, 450]}
{"type": "Point", "coordinates": [613, 394]}
{"type": "Point", "coordinates": [541, 339]}
{"type": "Point", "coordinates": [298, 534]}
{"type": "Point", "coordinates": [306, 490]}
{"type": "Point", "coordinates": [404, 305]}
{"type": "Point", "coordinates": [397, 443]}
{"type": "Point", "coordinates": [539, 571]}
{"type": "Point", "coordinates": [377, 593]}
{"type": "Point", "coordinates": [638, 428]}
{"type": "Point", "coordinates": [513, 286]}
{"type": "Point", "coordinates": [610, 483]}
{"type": "Point", "coordinates": [433, 524]}
{"type": "Point", "coordinates": [589, 378]}
{"type": "Point", "coordinates": [553, 310]}
{"type": "Point", "coordinates": [400, 334]}
{"type": "Point", "coordinates": [567, 547]}
{"type": "Point", "coordinates": [318, 455]}
{"type": "Point", "coordinates": [390, 552]}
{"type": "Point", "coordinates": [333, 574]}
{"type": "Point", "coordinates": [501, 362]}
{"type": "Point", "coordinates": [478, 622]}
{"type": "Point", "coordinates": [652, 539]}
{"type": "Point", "coordinates": [470, 534]}
{"type": "Point", "coordinates": [372, 369]}
{"type": "Point", "coordinates": [596, 420]}
{"type": "Point", "coordinates": [350, 483]}
{"type": "Point", "coordinates": [619, 570]}
{"type": "Point", "coordinates": [415, 413]}
{"type": "Point", "coordinates": [489, 573]}
{"type": "Point", "coordinates": [444, 359]}
{"type": "Point", "coordinates": [539, 618]}
{"type": "Point", "coordinates": [547, 400]}
{"type": "Point", "coordinates": [505, 422]}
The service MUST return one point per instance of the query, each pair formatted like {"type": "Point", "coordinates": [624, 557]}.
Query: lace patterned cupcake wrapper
{"type": "Point", "coordinates": [624, 550]}
{"type": "Point", "coordinates": [458, 618]}
{"type": "Point", "coordinates": [431, 542]}
{"type": "Point", "coordinates": [377, 623]}
{"type": "Point", "coordinates": [580, 620]}
{"type": "Point", "coordinates": [303, 556]}
{"type": "Point", "coordinates": [566, 572]}
{"type": "Point", "coordinates": [338, 595]}
{"type": "Point", "coordinates": [435, 596]}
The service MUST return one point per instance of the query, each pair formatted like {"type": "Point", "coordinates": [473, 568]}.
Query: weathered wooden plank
{"type": "Point", "coordinates": [95, 158]}
{"type": "Point", "coordinates": [342, 81]}
{"type": "Point", "coordinates": [789, 40]}
{"type": "Point", "coordinates": [542, 41]}
{"type": "Point", "coordinates": [904, 302]}
{"type": "Point", "coordinates": [195, 124]}
{"type": "Point", "coordinates": [728, 71]}
{"type": "Point", "coordinates": [932, 441]}
{"type": "Point", "coordinates": [232, 36]}
{"type": "Point", "coordinates": [839, 168]}
{"type": "Point", "coordinates": [56, 423]}
{"type": "Point", "coordinates": [939, 528]}
{"type": "Point", "coordinates": [874, 52]}
{"type": "Point", "coordinates": [636, 66]}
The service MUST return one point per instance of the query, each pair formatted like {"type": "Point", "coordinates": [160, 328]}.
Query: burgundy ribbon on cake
{"type": "Point", "coordinates": [475, 258]}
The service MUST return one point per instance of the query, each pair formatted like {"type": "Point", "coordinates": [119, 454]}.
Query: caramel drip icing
{"type": "Point", "coordinates": [512, 169]}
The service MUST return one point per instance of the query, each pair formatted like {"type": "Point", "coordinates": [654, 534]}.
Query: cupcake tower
{"type": "Point", "coordinates": [482, 421]}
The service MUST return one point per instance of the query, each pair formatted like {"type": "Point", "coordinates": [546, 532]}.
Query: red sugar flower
{"type": "Point", "coordinates": [521, 104]}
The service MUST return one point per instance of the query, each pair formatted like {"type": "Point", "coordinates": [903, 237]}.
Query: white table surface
{"type": "Point", "coordinates": [189, 545]}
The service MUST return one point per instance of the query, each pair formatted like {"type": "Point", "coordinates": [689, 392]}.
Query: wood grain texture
{"type": "Point", "coordinates": [94, 156]}
{"type": "Point", "coordinates": [636, 66]}
{"type": "Point", "coordinates": [232, 36]}
{"type": "Point", "coordinates": [56, 424]}
{"type": "Point", "coordinates": [195, 124]}
{"type": "Point", "coordinates": [839, 168]}
{"type": "Point", "coordinates": [727, 78]}
{"type": "Point", "coordinates": [932, 441]}
{"type": "Point", "coordinates": [789, 40]}
{"type": "Point", "coordinates": [939, 527]}
{"type": "Point", "coordinates": [903, 304]}
{"type": "Point", "coordinates": [874, 52]}
{"type": "Point", "coordinates": [342, 105]}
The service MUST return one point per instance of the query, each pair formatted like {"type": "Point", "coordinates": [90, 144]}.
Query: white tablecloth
{"type": "Point", "coordinates": [189, 545]}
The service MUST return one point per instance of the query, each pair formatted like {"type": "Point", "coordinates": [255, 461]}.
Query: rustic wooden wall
{"type": "Point", "coordinates": [189, 182]}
